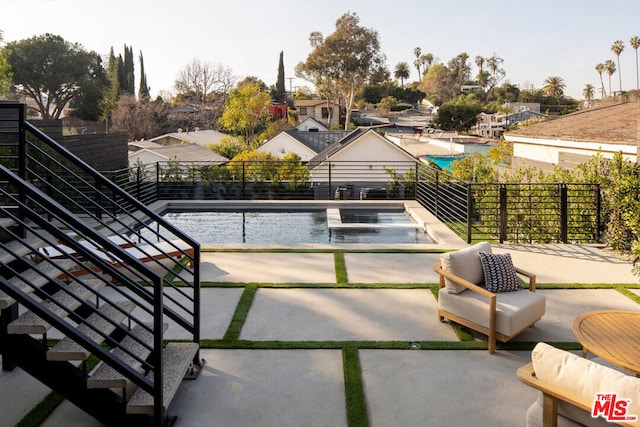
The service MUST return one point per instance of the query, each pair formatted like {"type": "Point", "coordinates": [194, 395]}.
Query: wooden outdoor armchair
{"type": "Point", "coordinates": [501, 316]}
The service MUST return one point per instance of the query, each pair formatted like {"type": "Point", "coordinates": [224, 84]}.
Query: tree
{"type": "Point", "coordinates": [401, 72]}
{"type": "Point", "coordinates": [460, 115]}
{"type": "Point", "coordinates": [197, 79]}
{"type": "Point", "coordinates": [143, 89]}
{"type": "Point", "coordinates": [5, 69]}
{"type": "Point", "coordinates": [139, 119]}
{"type": "Point", "coordinates": [112, 91]}
{"type": "Point", "coordinates": [635, 43]}
{"type": "Point", "coordinates": [280, 89]}
{"type": "Point", "coordinates": [348, 57]}
{"type": "Point", "coordinates": [617, 47]}
{"type": "Point", "coordinates": [246, 108]}
{"type": "Point", "coordinates": [588, 91]}
{"type": "Point", "coordinates": [50, 71]}
{"type": "Point", "coordinates": [554, 86]}
{"type": "Point", "coordinates": [418, 62]}
{"type": "Point", "coordinates": [600, 69]}
{"type": "Point", "coordinates": [87, 105]}
{"type": "Point", "coordinates": [610, 67]}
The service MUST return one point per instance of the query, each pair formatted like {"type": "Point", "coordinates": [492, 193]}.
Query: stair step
{"type": "Point", "coordinates": [177, 358]}
{"type": "Point", "coordinates": [31, 323]}
{"type": "Point", "coordinates": [47, 272]}
{"type": "Point", "coordinates": [66, 349]}
{"type": "Point", "coordinates": [6, 222]}
{"type": "Point", "coordinates": [104, 376]}
{"type": "Point", "coordinates": [20, 248]}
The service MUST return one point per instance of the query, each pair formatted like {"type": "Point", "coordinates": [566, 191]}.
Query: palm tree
{"type": "Point", "coordinates": [588, 92]}
{"type": "Point", "coordinates": [600, 69]}
{"type": "Point", "coordinates": [554, 86]}
{"type": "Point", "coordinates": [617, 47]}
{"type": "Point", "coordinates": [635, 43]}
{"type": "Point", "coordinates": [418, 63]}
{"type": "Point", "coordinates": [402, 72]}
{"type": "Point", "coordinates": [610, 67]}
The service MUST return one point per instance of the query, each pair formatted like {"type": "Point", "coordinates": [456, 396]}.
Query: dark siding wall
{"type": "Point", "coordinates": [105, 152]}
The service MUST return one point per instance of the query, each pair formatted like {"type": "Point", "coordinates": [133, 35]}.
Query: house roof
{"type": "Point", "coordinates": [311, 102]}
{"type": "Point", "coordinates": [186, 153]}
{"type": "Point", "coordinates": [334, 148]}
{"type": "Point", "coordinates": [317, 141]}
{"type": "Point", "coordinates": [607, 123]}
{"type": "Point", "coordinates": [311, 122]}
{"type": "Point", "coordinates": [200, 137]}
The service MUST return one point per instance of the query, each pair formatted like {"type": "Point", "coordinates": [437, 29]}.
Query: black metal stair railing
{"type": "Point", "coordinates": [135, 282]}
{"type": "Point", "coordinates": [55, 196]}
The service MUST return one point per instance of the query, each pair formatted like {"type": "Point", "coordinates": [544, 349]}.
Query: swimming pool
{"type": "Point", "coordinates": [444, 162]}
{"type": "Point", "coordinates": [300, 226]}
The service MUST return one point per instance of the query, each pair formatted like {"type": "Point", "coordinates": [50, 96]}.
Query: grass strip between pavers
{"type": "Point", "coordinates": [41, 411]}
{"type": "Point", "coordinates": [354, 389]}
{"type": "Point", "coordinates": [240, 315]}
{"type": "Point", "coordinates": [341, 268]}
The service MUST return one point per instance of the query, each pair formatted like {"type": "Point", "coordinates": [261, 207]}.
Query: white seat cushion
{"type": "Point", "coordinates": [584, 378]}
{"type": "Point", "coordinates": [514, 310]}
{"type": "Point", "coordinates": [465, 264]}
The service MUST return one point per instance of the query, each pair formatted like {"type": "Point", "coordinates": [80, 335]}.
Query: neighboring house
{"type": "Point", "coordinates": [325, 112]}
{"type": "Point", "coordinates": [312, 125]}
{"type": "Point", "coordinates": [306, 144]}
{"type": "Point", "coordinates": [572, 139]}
{"type": "Point", "coordinates": [200, 137]}
{"type": "Point", "coordinates": [148, 152]}
{"type": "Point", "coordinates": [494, 125]}
{"type": "Point", "coordinates": [362, 153]}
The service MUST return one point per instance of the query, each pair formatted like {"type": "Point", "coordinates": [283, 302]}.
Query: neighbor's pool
{"type": "Point", "coordinates": [281, 227]}
{"type": "Point", "coordinates": [444, 161]}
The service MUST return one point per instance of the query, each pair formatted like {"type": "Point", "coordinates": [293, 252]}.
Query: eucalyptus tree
{"type": "Point", "coordinates": [600, 68]}
{"type": "Point", "coordinates": [635, 43]}
{"type": "Point", "coordinates": [349, 57]}
{"type": "Point", "coordinates": [617, 47]}
{"type": "Point", "coordinates": [401, 72]}
{"type": "Point", "coordinates": [610, 68]}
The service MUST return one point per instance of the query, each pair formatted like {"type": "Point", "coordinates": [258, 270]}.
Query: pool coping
{"type": "Point", "coordinates": [442, 236]}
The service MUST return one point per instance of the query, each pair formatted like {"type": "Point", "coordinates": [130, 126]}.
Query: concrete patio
{"type": "Point", "coordinates": [402, 387]}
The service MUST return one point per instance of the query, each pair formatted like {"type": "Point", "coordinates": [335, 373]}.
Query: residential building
{"type": "Point", "coordinates": [200, 137]}
{"type": "Point", "coordinates": [326, 112]}
{"type": "Point", "coordinates": [572, 139]}
{"type": "Point", "coordinates": [148, 152]}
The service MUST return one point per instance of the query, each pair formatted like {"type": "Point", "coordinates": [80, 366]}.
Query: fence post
{"type": "Point", "coordinates": [243, 181]}
{"type": "Point", "coordinates": [564, 213]}
{"type": "Point", "coordinates": [157, 180]}
{"type": "Point", "coordinates": [469, 212]}
{"type": "Point", "coordinates": [503, 213]}
{"type": "Point", "coordinates": [599, 225]}
{"type": "Point", "coordinates": [330, 197]}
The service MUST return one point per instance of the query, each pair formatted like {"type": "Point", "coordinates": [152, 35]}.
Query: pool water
{"type": "Point", "coordinates": [279, 227]}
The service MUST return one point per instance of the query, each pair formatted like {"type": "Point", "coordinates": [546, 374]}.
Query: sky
{"type": "Point", "coordinates": [536, 39]}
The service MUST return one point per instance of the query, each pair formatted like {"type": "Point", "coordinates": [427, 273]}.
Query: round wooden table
{"type": "Point", "coordinates": [613, 335]}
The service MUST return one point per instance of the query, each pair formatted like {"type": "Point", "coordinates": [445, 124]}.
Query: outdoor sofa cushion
{"type": "Point", "coordinates": [582, 377]}
{"type": "Point", "coordinates": [466, 264]}
{"type": "Point", "coordinates": [515, 311]}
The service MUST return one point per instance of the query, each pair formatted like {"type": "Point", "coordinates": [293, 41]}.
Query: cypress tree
{"type": "Point", "coordinates": [280, 89]}
{"type": "Point", "coordinates": [129, 80]}
{"type": "Point", "coordinates": [143, 90]}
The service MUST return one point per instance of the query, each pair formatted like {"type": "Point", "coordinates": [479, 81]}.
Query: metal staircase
{"type": "Point", "coordinates": [106, 300]}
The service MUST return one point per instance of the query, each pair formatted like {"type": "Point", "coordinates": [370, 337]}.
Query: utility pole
{"type": "Point", "coordinates": [290, 83]}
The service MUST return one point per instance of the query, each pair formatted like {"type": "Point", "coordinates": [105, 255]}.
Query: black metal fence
{"type": "Point", "coordinates": [500, 212]}
{"type": "Point", "coordinates": [513, 212]}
